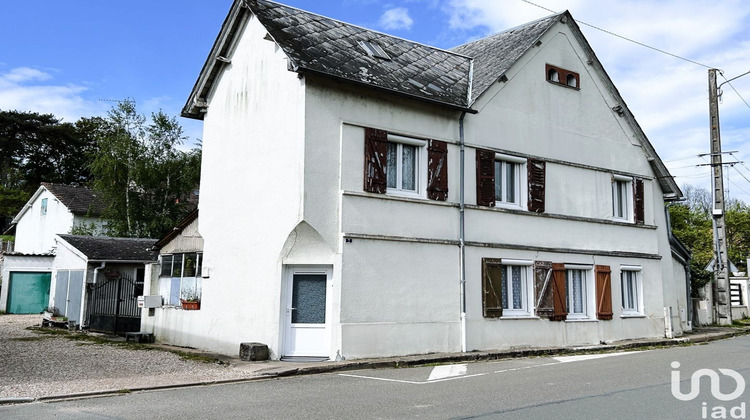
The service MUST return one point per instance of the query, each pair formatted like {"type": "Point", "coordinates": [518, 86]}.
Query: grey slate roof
{"type": "Point", "coordinates": [326, 46]}
{"type": "Point", "coordinates": [318, 45]}
{"type": "Point", "coordinates": [102, 248]}
{"type": "Point", "coordinates": [495, 54]}
{"type": "Point", "coordinates": [79, 200]}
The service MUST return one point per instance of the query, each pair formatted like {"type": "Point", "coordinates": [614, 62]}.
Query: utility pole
{"type": "Point", "coordinates": [722, 305]}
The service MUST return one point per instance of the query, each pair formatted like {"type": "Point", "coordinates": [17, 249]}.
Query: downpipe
{"type": "Point", "coordinates": [461, 237]}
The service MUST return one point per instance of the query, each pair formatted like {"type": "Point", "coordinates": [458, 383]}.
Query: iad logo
{"type": "Point", "coordinates": [718, 412]}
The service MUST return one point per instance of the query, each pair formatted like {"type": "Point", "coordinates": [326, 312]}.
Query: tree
{"type": "Point", "coordinates": [37, 148]}
{"type": "Point", "coordinates": [140, 172]}
{"type": "Point", "coordinates": [692, 224]}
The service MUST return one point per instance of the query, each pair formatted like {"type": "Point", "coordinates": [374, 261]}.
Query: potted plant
{"type": "Point", "coordinates": [191, 301]}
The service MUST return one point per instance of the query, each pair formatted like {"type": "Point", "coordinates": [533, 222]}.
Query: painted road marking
{"type": "Point", "coordinates": [452, 372]}
{"type": "Point", "coordinates": [582, 357]}
{"type": "Point", "coordinates": [411, 382]}
{"type": "Point", "coordinates": [447, 371]}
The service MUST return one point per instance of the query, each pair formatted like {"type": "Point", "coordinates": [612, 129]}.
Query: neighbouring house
{"type": "Point", "coordinates": [96, 280]}
{"type": "Point", "coordinates": [363, 195]}
{"type": "Point", "coordinates": [175, 283]}
{"type": "Point", "coordinates": [52, 209]}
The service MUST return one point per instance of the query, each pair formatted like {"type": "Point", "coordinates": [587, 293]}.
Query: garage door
{"type": "Point", "coordinates": [28, 293]}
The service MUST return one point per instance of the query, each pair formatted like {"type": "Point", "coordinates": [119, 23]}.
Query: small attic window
{"type": "Point", "coordinates": [562, 77]}
{"type": "Point", "coordinates": [374, 50]}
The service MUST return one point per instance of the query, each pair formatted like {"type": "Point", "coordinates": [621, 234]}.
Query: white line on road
{"type": "Point", "coordinates": [447, 371]}
{"type": "Point", "coordinates": [411, 382]}
{"type": "Point", "coordinates": [582, 357]}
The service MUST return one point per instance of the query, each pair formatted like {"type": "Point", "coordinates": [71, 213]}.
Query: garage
{"type": "Point", "coordinates": [28, 293]}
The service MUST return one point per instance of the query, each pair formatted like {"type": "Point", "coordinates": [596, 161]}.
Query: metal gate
{"type": "Point", "coordinates": [114, 304]}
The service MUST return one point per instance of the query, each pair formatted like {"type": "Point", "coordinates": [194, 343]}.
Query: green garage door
{"type": "Point", "coordinates": [28, 293]}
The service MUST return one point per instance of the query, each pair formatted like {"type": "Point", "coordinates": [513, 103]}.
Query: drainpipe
{"type": "Point", "coordinates": [461, 238]}
{"type": "Point", "coordinates": [83, 305]}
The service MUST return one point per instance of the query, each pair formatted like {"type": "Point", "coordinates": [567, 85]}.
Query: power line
{"type": "Point", "coordinates": [735, 90]}
{"type": "Point", "coordinates": [626, 38]}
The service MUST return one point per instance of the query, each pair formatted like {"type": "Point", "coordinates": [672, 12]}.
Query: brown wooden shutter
{"type": "Point", "coordinates": [536, 179]}
{"type": "Point", "coordinates": [437, 170]}
{"type": "Point", "coordinates": [603, 292]}
{"type": "Point", "coordinates": [485, 177]}
{"type": "Point", "coordinates": [638, 200]}
{"type": "Point", "coordinates": [559, 298]}
{"type": "Point", "coordinates": [543, 295]}
{"type": "Point", "coordinates": [376, 148]}
{"type": "Point", "coordinates": [492, 288]}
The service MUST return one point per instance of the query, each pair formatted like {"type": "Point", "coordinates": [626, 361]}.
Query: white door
{"type": "Point", "coordinates": [307, 319]}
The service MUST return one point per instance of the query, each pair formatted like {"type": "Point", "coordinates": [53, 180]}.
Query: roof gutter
{"type": "Point", "coordinates": [467, 109]}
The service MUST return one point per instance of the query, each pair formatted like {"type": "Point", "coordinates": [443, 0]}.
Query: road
{"type": "Point", "coordinates": [633, 385]}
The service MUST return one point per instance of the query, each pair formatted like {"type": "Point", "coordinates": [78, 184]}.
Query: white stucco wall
{"type": "Point", "coordinates": [35, 232]}
{"type": "Point", "coordinates": [251, 199]}
{"type": "Point", "coordinates": [282, 186]}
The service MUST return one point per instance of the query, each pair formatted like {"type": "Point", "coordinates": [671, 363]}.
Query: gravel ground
{"type": "Point", "coordinates": [40, 365]}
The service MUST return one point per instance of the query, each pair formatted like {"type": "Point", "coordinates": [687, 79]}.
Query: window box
{"type": "Point", "coordinates": [190, 305]}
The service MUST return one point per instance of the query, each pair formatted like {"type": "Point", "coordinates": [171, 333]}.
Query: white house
{"type": "Point", "coordinates": [365, 196]}
{"type": "Point", "coordinates": [52, 209]}
{"type": "Point", "coordinates": [96, 280]}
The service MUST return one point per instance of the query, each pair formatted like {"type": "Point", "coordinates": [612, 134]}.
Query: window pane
{"type": "Point", "coordinates": [190, 264]}
{"type": "Point", "coordinates": [630, 290]}
{"type": "Point", "coordinates": [577, 291]}
{"type": "Point", "coordinates": [309, 299]}
{"type": "Point", "coordinates": [517, 287]}
{"type": "Point", "coordinates": [177, 266]}
{"type": "Point", "coordinates": [392, 161]}
{"type": "Point", "coordinates": [510, 182]}
{"type": "Point", "coordinates": [498, 180]}
{"type": "Point", "coordinates": [409, 167]}
{"type": "Point", "coordinates": [505, 287]}
{"type": "Point", "coordinates": [166, 265]}
{"type": "Point", "coordinates": [199, 265]}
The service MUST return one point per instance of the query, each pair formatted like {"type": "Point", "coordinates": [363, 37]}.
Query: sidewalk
{"type": "Point", "coordinates": [119, 379]}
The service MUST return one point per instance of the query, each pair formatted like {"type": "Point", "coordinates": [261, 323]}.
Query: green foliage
{"type": "Point", "coordinates": [140, 172]}
{"type": "Point", "coordinates": [83, 228]}
{"type": "Point", "coordinates": [692, 223]}
{"type": "Point", "coordinates": [37, 148]}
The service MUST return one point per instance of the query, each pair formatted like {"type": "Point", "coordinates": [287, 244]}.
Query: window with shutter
{"type": "Point", "coordinates": [559, 304]}
{"type": "Point", "coordinates": [492, 286]}
{"type": "Point", "coordinates": [437, 170]}
{"type": "Point", "coordinates": [603, 292]}
{"type": "Point", "coordinates": [536, 179]}
{"type": "Point", "coordinates": [376, 148]}
{"type": "Point", "coordinates": [638, 198]}
{"type": "Point", "coordinates": [543, 289]}
{"type": "Point", "coordinates": [632, 296]}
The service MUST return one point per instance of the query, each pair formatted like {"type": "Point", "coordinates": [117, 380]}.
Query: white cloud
{"type": "Point", "coordinates": [667, 95]}
{"type": "Point", "coordinates": [21, 89]}
{"type": "Point", "coordinates": [396, 18]}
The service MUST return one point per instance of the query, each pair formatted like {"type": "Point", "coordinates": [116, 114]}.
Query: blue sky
{"type": "Point", "coordinates": [71, 58]}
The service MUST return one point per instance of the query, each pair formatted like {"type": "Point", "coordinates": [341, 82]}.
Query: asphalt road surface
{"type": "Point", "coordinates": [631, 385]}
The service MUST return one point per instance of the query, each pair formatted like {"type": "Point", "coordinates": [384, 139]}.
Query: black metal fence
{"type": "Point", "coordinates": [113, 305]}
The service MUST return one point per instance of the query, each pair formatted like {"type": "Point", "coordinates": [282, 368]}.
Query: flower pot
{"type": "Point", "coordinates": [193, 305]}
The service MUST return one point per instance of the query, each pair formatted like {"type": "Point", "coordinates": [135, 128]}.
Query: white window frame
{"type": "Point", "coordinates": [520, 181]}
{"type": "Point", "coordinates": [420, 166]}
{"type": "Point", "coordinates": [165, 281]}
{"type": "Point", "coordinates": [44, 205]}
{"type": "Point", "coordinates": [526, 289]}
{"type": "Point", "coordinates": [589, 305]}
{"type": "Point", "coordinates": [623, 205]}
{"type": "Point", "coordinates": [637, 278]}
